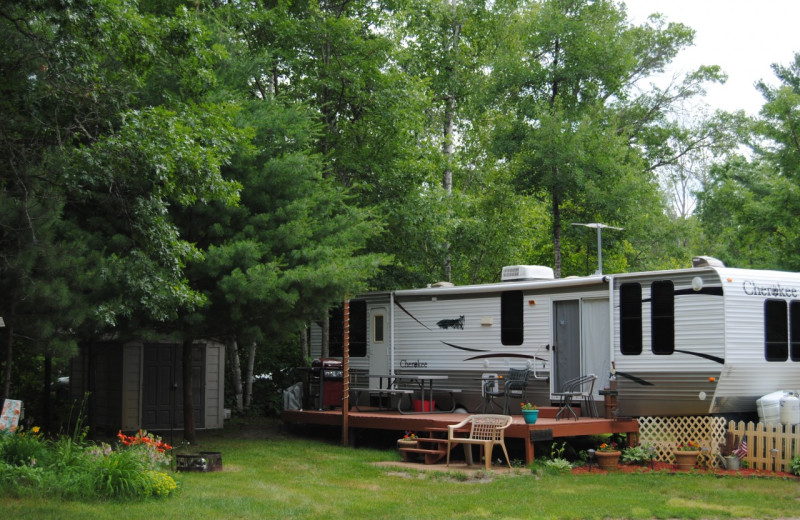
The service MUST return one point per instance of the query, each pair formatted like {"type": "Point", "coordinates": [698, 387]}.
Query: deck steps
{"type": "Point", "coordinates": [432, 454]}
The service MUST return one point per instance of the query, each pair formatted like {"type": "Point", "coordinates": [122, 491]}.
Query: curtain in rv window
{"type": "Point", "coordinates": [511, 318]}
{"type": "Point", "coordinates": [378, 328]}
{"type": "Point", "coordinates": [630, 318]}
{"type": "Point", "coordinates": [776, 334]}
{"type": "Point", "coordinates": [794, 326]}
{"type": "Point", "coordinates": [662, 317]}
{"type": "Point", "coordinates": [358, 330]}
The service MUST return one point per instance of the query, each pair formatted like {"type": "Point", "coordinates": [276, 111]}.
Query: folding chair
{"type": "Point", "coordinates": [514, 386]}
{"type": "Point", "coordinates": [577, 388]}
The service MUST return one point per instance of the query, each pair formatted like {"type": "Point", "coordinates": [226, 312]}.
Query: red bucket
{"type": "Point", "coordinates": [418, 405]}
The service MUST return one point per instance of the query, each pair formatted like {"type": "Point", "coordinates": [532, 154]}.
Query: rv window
{"type": "Point", "coordinates": [794, 327]}
{"type": "Point", "coordinates": [358, 330]}
{"type": "Point", "coordinates": [377, 328]}
{"type": "Point", "coordinates": [630, 318]}
{"type": "Point", "coordinates": [662, 317]}
{"type": "Point", "coordinates": [336, 332]}
{"type": "Point", "coordinates": [511, 318]}
{"type": "Point", "coordinates": [776, 337]}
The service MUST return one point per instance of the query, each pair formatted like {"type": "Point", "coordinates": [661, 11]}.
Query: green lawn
{"type": "Point", "coordinates": [280, 476]}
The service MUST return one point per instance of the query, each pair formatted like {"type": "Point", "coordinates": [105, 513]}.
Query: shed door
{"type": "Point", "coordinates": [566, 342]}
{"type": "Point", "coordinates": [162, 392]}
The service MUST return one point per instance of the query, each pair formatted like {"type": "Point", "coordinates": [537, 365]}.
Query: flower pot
{"type": "Point", "coordinates": [407, 443]}
{"type": "Point", "coordinates": [608, 460]}
{"type": "Point", "coordinates": [685, 460]}
{"type": "Point", "coordinates": [530, 416]}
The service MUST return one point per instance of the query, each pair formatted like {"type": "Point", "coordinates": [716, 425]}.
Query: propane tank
{"type": "Point", "coordinates": [790, 409]}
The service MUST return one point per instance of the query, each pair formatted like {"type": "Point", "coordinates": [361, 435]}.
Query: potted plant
{"type": "Point", "coordinates": [686, 455]}
{"type": "Point", "coordinates": [409, 440]}
{"type": "Point", "coordinates": [530, 413]}
{"type": "Point", "coordinates": [607, 455]}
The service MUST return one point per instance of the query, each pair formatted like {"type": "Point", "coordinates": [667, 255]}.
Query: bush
{"type": "Point", "coordinates": [71, 468]}
{"type": "Point", "coordinates": [636, 455]}
{"type": "Point", "coordinates": [22, 448]}
{"type": "Point", "coordinates": [556, 463]}
{"type": "Point", "coordinates": [794, 465]}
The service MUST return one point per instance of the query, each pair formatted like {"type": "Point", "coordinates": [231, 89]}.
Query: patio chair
{"type": "Point", "coordinates": [486, 430]}
{"type": "Point", "coordinates": [514, 386]}
{"type": "Point", "coordinates": [578, 388]}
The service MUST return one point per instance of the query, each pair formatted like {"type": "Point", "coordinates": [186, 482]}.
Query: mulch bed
{"type": "Point", "coordinates": [667, 467]}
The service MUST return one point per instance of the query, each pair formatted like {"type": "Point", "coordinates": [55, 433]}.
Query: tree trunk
{"type": "Point", "coordinates": [556, 194]}
{"type": "Point", "coordinates": [556, 225]}
{"type": "Point", "coordinates": [447, 145]}
{"type": "Point", "coordinates": [251, 361]}
{"type": "Point", "coordinates": [189, 433]}
{"type": "Point", "coordinates": [48, 386]}
{"type": "Point", "coordinates": [236, 370]}
{"type": "Point", "coordinates": [9, 359]}
{"type": "Point", "coordinates": [326, 336]}
{"type": "Point", "coordinates": [304, 351]}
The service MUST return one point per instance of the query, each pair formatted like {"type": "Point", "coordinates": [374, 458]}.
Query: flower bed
{"type": "Point", "coordinates": [668, 467]}
{"type": "Point", "coordinates": [71, 467]}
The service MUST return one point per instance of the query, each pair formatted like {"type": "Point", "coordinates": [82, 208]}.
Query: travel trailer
{"type": "Point", "coordinates": [703, 340]}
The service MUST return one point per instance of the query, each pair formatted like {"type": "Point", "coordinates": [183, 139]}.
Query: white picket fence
{"type": "Point", "coordinates": [769, 446]}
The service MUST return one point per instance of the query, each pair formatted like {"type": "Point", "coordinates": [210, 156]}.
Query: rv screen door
{"type": "Point", "coordinates": [378, 343]}
{"type": "Point", "coordinates": [595, 315]}
{"type": "Point", "coordinates": [566, 342]}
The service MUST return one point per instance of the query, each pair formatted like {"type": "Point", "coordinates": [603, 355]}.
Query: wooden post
{"type": "Point", "coordinates": [346, 374]}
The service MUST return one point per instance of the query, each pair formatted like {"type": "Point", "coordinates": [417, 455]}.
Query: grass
{"type": "Point", "coordinates": [280, 476]}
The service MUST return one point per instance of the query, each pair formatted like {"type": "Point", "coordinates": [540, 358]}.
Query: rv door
{"type": "Point", "coordinates": [378, 343]}
{"type": "Point", "coordinates": [566, 342]}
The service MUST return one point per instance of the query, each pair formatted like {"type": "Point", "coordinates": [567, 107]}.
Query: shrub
{"type": "Point", "coordinates": [72, 468]}
{"type": "Point", "coordinates": [123, 473]}
{"type": "Point", "coordinates": [22, 448]}
{"type": "Point", "coordinates": [636, 455]}
{"type": "Point", "coordinates": [556, 463]}
{"type": "Point", "coordinates": [795, 465]}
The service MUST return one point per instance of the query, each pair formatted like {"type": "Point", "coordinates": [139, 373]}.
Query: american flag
{"type": "Point", "coordinates": [741, 451]}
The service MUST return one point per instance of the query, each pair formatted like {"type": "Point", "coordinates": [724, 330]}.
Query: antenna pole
{"type": "Point", "coordinates": [599, 250]}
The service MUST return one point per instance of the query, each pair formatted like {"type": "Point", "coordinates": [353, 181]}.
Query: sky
{"type": "Point", "coordinates": [743, 37]}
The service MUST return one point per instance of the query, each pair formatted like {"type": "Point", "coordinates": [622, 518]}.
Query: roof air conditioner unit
{"type": "Point", "coordinates": [518, 273]}
{"type": "Point", "coordinates": [706, 261]}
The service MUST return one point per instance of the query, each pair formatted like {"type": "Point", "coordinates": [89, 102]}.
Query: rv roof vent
{"type": "Point", "coordinates": [706, 261]}
{"type": "Point", "coordinates": [440, 284]}
{"type": "Point", "coordinates": [516, 273]}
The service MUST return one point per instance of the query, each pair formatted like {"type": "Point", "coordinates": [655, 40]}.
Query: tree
{"type": "Point", "coordinates": [577, 130]}
{"type": "Point", "coordinates": [750, 204]}
{"type": "Point", "coordinates": [106, 133]}
{"type": "Point", "coordinates": [295, 243]}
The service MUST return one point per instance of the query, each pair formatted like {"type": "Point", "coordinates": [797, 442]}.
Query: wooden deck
{"type": "Point", "coordinates": [546, 427]}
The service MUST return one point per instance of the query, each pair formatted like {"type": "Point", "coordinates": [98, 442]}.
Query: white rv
{"type": "Point", "coordinates": [703, 340]}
